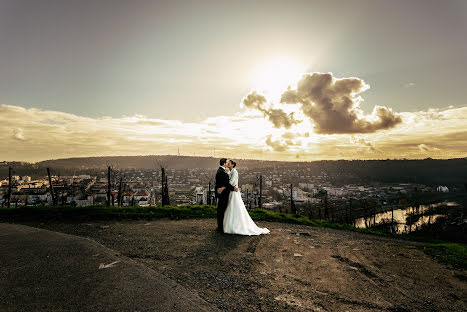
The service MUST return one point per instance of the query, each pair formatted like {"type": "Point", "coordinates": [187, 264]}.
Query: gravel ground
{"type": "Point", "coordinates": [295, 267]}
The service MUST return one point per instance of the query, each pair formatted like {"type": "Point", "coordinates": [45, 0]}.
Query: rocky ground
{"type": "Point", "coordinates": [295, 267]}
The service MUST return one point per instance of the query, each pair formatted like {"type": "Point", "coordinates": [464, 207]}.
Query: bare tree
{"type": "Point", "coordinates": [51, 187]}
{"type": "Point", "coordinates": [164, 185]}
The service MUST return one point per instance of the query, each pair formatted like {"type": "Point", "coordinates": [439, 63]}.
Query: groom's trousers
{"type": "Point", "coordinates": [222, 203]}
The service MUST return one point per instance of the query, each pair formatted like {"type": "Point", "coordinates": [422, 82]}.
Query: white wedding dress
{"type": "Point", "coordinates": [237, 220]}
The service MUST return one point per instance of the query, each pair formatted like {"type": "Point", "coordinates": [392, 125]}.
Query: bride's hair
{"type": "Point", "coordinates": [233, 163]}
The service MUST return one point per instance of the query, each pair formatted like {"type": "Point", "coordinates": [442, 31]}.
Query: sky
{"type": "Point", "coordinates": [275, 80]}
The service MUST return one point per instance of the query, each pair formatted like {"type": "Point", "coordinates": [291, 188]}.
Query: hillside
{"type": "Point", "coordinates": [142, 162]}
{"type": "Point", "coordinates": [426, 171]}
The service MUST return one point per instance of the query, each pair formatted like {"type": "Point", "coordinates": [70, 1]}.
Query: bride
{"type": "Point", "coordinates": [237, 220]}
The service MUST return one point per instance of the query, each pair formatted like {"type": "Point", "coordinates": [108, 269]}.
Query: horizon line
{"type": "Point", "coordinates": [194, 156]}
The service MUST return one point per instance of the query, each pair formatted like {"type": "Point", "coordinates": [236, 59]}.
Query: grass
{"type": "Point", "coordinates": [450, 253]}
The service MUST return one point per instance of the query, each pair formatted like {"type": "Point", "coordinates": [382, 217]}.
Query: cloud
{"type": "Point", "coordinates": [289, 135]}
{"type": "Point", "coordinates": [254, 100]}
{"type": "Point", "coordinates": [275, 145]}
{"type": "Point", "coordinates": [38, 134]}
{"type": "Point", "coordinates": [332, 105]}
{"type": "Point", "coordinates": [18, 134]}
{"type": "Point", "coordinates": [295, 135]}
{"type": "Point", "coordinates": [277, 117]}
{"type": "Point", "coordinates": [280, 119]}
{"type": "Point", "coordinates": [409, 85]}
{"type": "Point", "coordinates": [426, 148]}
{"type": "Point", "coordinates": [363, 142]}
{"type": "Point", "coordinates": [149, 122]}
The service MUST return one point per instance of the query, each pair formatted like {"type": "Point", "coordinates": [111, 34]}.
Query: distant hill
{"type": "Point", "coordinates": [427, 171]}
{"type": "Point", "coordinates": [143, 162]}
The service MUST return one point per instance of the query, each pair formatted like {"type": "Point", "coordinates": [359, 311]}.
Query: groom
{"type": "Point", "coordinates": [223, 188]}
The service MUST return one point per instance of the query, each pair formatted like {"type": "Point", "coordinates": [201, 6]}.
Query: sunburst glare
{"type": "Point", "coordinates": [274, 76]}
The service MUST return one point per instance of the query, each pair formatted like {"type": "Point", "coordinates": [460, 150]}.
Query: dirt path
{"type": "Point", "coordinates": [296, 267]}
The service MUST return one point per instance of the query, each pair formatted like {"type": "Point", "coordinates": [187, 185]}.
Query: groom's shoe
{"type": "Point", "coordinates": [220, 230]}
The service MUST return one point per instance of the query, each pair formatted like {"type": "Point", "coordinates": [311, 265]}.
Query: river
{"type": "Point", "coordinates": [399, 217]}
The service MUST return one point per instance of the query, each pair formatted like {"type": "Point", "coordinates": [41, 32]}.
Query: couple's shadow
{"type": "Point", "coordinates": [222, 244]}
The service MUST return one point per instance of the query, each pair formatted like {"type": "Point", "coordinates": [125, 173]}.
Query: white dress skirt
{"type": "Point", "coordinates": [237, 220]}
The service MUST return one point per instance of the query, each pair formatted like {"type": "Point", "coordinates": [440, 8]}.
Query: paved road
{"type": "Point", "coordinates": [42, 270]}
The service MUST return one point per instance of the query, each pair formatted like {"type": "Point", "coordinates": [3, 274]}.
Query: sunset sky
{"type": "Point", "coordinates": [275, 80]}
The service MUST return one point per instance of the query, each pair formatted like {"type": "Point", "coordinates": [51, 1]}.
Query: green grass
{"type": "Point", "coordinates": [450, 253]}
{"type": "Point", "coordinates": [453, 254]}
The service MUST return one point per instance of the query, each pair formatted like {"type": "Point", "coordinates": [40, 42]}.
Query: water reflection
{"type": "Point", "coordinates": [400, 218]}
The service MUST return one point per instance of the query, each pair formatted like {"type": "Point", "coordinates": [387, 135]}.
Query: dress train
{"type": "Point", "coordinates": [237, 220]}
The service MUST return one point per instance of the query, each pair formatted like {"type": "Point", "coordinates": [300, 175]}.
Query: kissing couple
{"type": "Point", "coordinates": [232, 216]}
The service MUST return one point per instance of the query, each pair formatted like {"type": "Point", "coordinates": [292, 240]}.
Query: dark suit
{"type": "Point", "coordinates": [222, 179]}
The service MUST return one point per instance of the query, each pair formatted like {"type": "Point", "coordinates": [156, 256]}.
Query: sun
{"type": "Point", "coordinates": [274, 76]}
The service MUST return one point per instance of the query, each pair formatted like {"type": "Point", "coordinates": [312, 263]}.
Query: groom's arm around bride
{"type": "Point", "coordinates": [222, 183]}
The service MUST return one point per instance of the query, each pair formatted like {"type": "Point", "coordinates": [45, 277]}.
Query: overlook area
{"type": "Point", "coordinates": [296, 267]}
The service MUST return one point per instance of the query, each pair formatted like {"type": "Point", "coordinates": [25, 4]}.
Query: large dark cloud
{"type": "Point", "coordinates": [333, 107]}
{"type": "Point", "coordinates": [278, 117]}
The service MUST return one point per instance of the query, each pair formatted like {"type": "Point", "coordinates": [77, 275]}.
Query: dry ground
{"type": "Point", "coordinates": [295, 267]}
